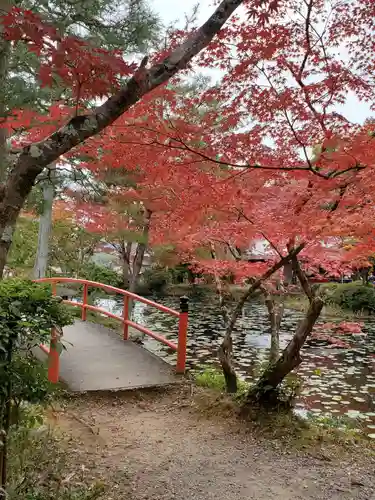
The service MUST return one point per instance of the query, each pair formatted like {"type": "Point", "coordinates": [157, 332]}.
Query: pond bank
{"type": "Point", "coordinates": [336, 382]}
{"type": "Point", "coordinates": [199, 290]}
{"type": "Point", "coordinates": [190, 444]}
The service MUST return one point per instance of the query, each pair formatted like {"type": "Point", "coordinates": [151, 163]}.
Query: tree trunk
{"type": "Point", "coordinates": [140, 252]}
{"type": "Point", "coordinates": [137, 266]}
{"type": "Point", "coordinates": [225, 352]}
{"type": "Point", "coordinates": [226, 349]}
{"type": "Point", "coordinates": [125, 252]}
{"type": "Point", "coordinates": [290, 358]}
{"type": "Point", "coordinates": [7, 230]}
{"type": "Point", "coordinates": [288, 273]}
{"type": "Point", "coordinates": [45, 225]}
{"type": "Point", "coordinates": [5, 6]}
{"type": "Point", "coordinates": [139, 256]}
{"type": "Point", "coordinates": [365, 273]}
{"type": "Point", "coordinates": [225, 357]}
{"type": "Point", "coordinates": [275, 316]}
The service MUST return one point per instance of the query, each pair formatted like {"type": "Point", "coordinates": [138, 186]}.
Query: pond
{"type": "Point", "coordinates": [336, 382]}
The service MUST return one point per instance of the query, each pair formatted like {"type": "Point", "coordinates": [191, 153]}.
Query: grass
{"type": "Point", "coordinates": [211, 378]}
{"type": "Point", "coordinates": [323, 434]}
{"type": "Point", "coordinates": [327, 437]}
{"type": "Point", "coordinates": [282, 425]}
{"type": "Point", "coordinates": [300, 303]}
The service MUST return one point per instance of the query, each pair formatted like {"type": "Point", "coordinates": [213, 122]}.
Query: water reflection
{"type": "Point", "coordinates": [336, 382]}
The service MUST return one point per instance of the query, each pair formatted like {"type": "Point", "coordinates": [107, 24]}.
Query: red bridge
{"type": "Point", "coordinates": [97, 358]}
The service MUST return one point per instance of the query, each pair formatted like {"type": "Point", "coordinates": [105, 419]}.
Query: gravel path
{"type": "Point", "coordinates": [161, 448]}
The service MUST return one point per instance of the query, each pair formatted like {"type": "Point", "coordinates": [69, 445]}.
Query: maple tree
{"type": "Point", "coordinates": [298, 226]}
{"type": "Point", "coordinates": [139, 191]}
{"type": "Point", "coordinates": [135, 191]}
{"type": "Point", "coordinates": [305, 219]}
{"type": "Point", "coordinates": [272, 150]}
{"type": "Point", "coordinates": [284, 159]}
{"type": "Point", "coordinates": [124, 224]}
{"type": "Point", "coordinates": [89, 72]}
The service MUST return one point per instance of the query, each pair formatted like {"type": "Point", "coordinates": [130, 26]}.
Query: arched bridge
{"type": "Point", "coordinates": [98, 359]}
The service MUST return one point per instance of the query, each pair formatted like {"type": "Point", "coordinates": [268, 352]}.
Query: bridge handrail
{"type": "Point", "coordinates": [110, 288]}
{"type": "Point", "coordinates": [180, 347]}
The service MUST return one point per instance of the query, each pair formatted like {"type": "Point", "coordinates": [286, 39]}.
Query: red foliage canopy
{"type": "Point", "coordinates": [267, 153]}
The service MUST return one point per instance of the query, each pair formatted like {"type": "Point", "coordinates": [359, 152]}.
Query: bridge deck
{"type": "Point", "coordinates": [100, 360]}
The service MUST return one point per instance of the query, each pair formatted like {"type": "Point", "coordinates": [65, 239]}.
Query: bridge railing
{"type": "Point", "coordinates": [182, 315]}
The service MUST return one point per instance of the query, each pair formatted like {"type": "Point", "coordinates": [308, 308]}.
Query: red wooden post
{"type": "Point", "coordinates": [84, 301]}
{"type": "Point", "coordinates": [182, 335]}
{"type": "Point", "coordinates": [126, 317]}
{"type": "Point", "coordinates": [53, 359]}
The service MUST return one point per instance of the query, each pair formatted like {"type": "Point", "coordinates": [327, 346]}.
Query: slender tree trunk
{"type": "Point", "coordinates": [5, 6]}
{"type": "Point", "coordinates": [275, 314]}
{"type": "Point", "coordinates": [226, 348]}
{"type": "Point", "coordinates": [45, 225]}
{"type": "Point", "coordinates": [125, 251]}
{"type": "Point", "coordinates": [139, 257]}
{"type": "Point", "coordinates": [225, 352]}
{"type": "Point", "coordinates": [266, 388]}
{"type": "Point", "coordinates": [290, 358]}
{"type": "Point", "coordinates": [226, 359]}
{"type": "Point", "coordinates": [7, 230]}
{"type": "Point", "coordinates": [137, 266]}
{"type": "Point", "coordinates": [140, 252]}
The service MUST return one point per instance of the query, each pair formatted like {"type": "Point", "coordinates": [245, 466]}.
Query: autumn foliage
{"type": "Point", "coordinates": [271, 154]}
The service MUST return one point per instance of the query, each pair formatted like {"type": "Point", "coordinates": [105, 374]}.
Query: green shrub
{"type": "Point", "coordinates": [29, 383]}
{"type": "Point", "coordinates": [101, 274]}
{"type": "Point", "coordinates": [354, 296]}
{"type": "Point", "coordinates": [28, 312]}
{"type": "Point", "coordinates": [154, 281]}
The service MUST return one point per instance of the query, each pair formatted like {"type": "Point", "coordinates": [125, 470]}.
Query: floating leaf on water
{"type": "Point", "coordinates": [353, 413]}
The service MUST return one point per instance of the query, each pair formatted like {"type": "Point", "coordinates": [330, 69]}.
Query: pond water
{"type": "Point", "coordinates": [336, 382]}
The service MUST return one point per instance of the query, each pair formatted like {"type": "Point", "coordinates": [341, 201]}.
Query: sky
{"type": "Point", "coordinates": [174, 10]}
{"type": "Point", "coordinates": [171, 10]}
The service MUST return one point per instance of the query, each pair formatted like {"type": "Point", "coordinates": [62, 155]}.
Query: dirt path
{"type": "Point", "coordinates": [162, 447]}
